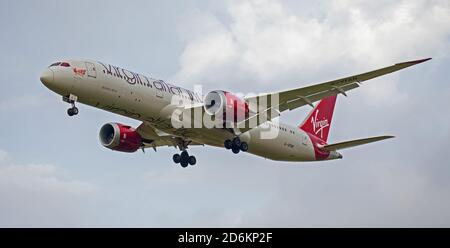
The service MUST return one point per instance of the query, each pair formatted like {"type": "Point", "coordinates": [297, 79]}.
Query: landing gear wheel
{"type": "Point", "coordinates": [184, 155]}
{"type": "Point", "coordinates": [184, 164]}
{"type": "Point", "coordinates": [184, 159]}
{"type": "Point", "coordinates": [237, 142]}
{"type": "Point", "coordinates": [75, 110]}
{"type": "Point", "coordinates": [192, 160]}
{"type": "Point", "coordinates": [235, 149]}
{"type": "Point", "coordinates": [244, 146]}
{"type": "Point", "coordinates": [228, 144]}
{"type": "Point", "coordinates": [176, 158]}
{"type": "Point", "coordinates": [72, 111]}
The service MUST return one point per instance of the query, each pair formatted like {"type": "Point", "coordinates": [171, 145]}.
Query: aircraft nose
{"type": "Point", "coordinates": [47, 77]}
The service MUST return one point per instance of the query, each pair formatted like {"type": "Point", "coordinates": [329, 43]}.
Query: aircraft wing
{"type": "Point", "coordinates": [294, 98]}
{"type": "Point", "coordinates": [352, 143]}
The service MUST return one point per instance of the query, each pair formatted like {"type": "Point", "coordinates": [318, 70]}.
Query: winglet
{"type": "Point", "coordinates": [415, 62]}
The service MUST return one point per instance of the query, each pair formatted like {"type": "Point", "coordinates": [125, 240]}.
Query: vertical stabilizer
{"type": "Point", "coordinates": [319, 119]}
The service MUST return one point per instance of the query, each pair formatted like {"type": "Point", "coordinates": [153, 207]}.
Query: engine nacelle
{"type": "Point", "coordinates": [231, 107]}
{"type": "Point", "coordinates": [119, 137]}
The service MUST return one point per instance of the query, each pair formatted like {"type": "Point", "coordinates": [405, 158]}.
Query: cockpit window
{"type": "Point", "coordinates": [55, 64]}
{"type": "Point", "coordinates": [63, 64]}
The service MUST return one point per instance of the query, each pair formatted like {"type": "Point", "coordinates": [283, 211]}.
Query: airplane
{"type": "Point", "coordinates": [151, 101]}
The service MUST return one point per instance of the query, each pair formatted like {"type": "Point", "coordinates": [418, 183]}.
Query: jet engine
{"type": "Point", "coordinates": [231, 107]}
{"type": "Point", "coordinates": [120, 137]}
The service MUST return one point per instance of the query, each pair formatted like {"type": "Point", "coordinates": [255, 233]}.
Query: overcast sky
{"type": "Point", "coordinates": [55, 173]}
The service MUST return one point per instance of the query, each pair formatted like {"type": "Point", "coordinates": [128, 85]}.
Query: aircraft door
{"type": "Point", "coordinates": [159, 88]}
{"type": "Point", "coordinates": [304, 140]}
{"type": "Point", "coordinates": [91, 71]}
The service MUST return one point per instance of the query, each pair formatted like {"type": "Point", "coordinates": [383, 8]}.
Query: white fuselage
{"type": "Point", "coordinates": [142, 98]}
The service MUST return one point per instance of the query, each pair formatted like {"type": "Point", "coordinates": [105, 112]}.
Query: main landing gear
{"type": "Point", "coordinates": [72, 99]}
{"type": "Point", "coordinates": [184, 159]}
{"type": "Point", "coordinates": [236, 145]}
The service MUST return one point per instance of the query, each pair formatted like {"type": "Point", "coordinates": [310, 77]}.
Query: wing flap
{"type": "Point", "coordinates": [301, 101]}
{"type": "Point", "coordinates": [353, 143]}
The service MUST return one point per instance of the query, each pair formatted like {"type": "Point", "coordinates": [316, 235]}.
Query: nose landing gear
{"type": "Point", "coordinates": [72, 99]}
{"type": "Point", "coordinates": [236, 145]}
{"type": "Point", "coordinates": [72, 111]}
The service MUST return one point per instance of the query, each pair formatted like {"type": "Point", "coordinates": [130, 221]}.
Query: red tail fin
{"type": "Point", "coordinates": [318, 121]}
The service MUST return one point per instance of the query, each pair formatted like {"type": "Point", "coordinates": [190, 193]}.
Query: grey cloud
{"type": "Point", "coordinates": [265, 42]}
{"type": "Point", "coordinates": [247, 46]}
{"type": "Point", "coordinates": [37, 195]}
{"type": "Point", "coordinates": [267, 45]}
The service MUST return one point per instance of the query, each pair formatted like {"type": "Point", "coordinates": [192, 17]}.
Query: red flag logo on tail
{"type": "Point", "coordinates": [319, 125]}
{"type": "Point", "coordinates": [319, 119]}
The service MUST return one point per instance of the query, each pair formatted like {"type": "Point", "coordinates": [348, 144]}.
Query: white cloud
{"type": "Point", "coordinates": [266, 43]}
{"type": "Point", "coordinates": [248, 46]}
{"type": "Point", "coordinates": [39, 195]}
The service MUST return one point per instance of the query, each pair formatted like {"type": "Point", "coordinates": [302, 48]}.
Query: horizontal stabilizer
{"type": "Point", "coordinates": [352, 143]}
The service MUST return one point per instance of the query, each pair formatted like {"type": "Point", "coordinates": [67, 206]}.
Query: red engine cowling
{"type": "Point", "coordinates": [224, 103]}
{"type": "Point", "coordinates": [119, 137]}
